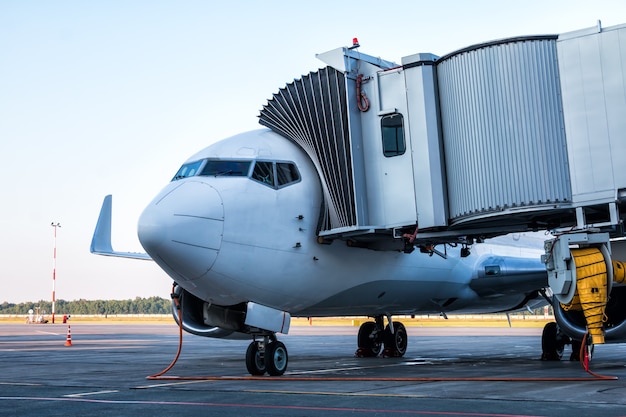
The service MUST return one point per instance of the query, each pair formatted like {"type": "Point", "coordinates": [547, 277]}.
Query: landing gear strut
{"type": "Point", "coordinates": [374, 334]}
{"type": "Point", "coordinates": [268, 355]}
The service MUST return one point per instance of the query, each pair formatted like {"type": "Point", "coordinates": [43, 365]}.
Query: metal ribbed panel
{"type": "Point", "coordinates": [503, 131]}
{"type": "Point", "coordinates": [312, 113]}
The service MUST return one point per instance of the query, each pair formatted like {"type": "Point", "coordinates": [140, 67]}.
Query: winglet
{"type": "Point", "coordinates": [101, 241]}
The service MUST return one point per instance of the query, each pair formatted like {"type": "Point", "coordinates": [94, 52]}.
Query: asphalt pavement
{"type": "Point", "coordinates": [445, 372]}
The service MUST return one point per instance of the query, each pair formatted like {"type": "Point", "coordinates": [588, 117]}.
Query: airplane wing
{"type": "Point", "coordinates": [101, 241]}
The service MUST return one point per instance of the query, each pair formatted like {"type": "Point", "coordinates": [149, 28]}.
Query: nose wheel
{"type": "Point", "coordinates": [276, 358]}
{"type": "Point", "coordinates": [269, 355]}
{"type": "Point", "coordinates": [255, 358]}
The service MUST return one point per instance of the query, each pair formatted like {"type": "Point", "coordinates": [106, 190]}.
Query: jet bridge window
{"type": "Point", "coordinates": [275, 174]}
{"type": "Point", "coordinates": [392, 127]}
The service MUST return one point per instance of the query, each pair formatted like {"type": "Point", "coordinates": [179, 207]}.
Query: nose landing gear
{"type": "Point", "coordinates": [268, 355]}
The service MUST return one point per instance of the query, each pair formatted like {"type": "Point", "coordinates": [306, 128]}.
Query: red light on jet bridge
{"type": "Point", "coordinates": [355, 41]}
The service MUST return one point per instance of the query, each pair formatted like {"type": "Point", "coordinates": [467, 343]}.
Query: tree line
{"type": "Point", "coordinates": [152, 305]}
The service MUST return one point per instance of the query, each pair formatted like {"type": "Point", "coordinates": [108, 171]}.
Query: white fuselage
{"type": "Point", "coordinates": [231, 239]}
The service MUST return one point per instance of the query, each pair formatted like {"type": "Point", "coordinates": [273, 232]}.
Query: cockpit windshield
{"type": "Point", "coordinates": [213, 167]}
{"type": "Point", "coordinates": [273, 174]}
{"type": "Point", "coordinates": [219, 168]}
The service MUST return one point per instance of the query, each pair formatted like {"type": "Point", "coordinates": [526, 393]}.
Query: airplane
{"type": "Point", "coordinates": [242, 229]}
{"type": "Point", "coordinates": [236, 230]}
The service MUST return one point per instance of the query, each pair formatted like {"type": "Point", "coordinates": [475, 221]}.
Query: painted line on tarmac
{"type": "Point", "coordinates": [42, 332]}
{"type": "Point", "coordinates": [346, 410]}
{"type": "Point", "coordinates": [358, 368]}
{"type": "Point", "coordinates": [85, 394]}
{"type": "Point", "coordinates": [294, 375]}
{"type": "Point", "coordinates": [173, 384]}
{"type": "Point", "coordinates": [21, 384]}
{"type": "Point", "coordinates": [337, 394]}
{"type": "Point", "coordinates": [70, 348]}
{"type": "Point", "coordinates": [79, 337]}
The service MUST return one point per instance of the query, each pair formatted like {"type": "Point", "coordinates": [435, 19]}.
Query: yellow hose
{"type": "Point", "coordinates": [591, 289]}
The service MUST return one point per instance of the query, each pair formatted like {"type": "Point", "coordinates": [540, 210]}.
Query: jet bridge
{"type": "Point", "coordinates": [525, 133]}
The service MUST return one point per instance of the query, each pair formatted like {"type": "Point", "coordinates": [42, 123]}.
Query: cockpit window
{"type": "Point", "coordinates": [270, 173]}
{"type": "Point", "coordinates": [275, 174]}
{"type": "Point", "coordinates": [264, 172]}
{"type": "Point", "coordinates": [222, 168]}
{"type": "Point", "coordinates": [188, 170]}
{"type": "Point", "coordinates": [286, 173]}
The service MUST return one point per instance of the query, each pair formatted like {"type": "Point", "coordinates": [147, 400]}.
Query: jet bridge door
{"type": "Point", "coordinates": [390, 191]}
{"type": "Point", "coordinates": [405, 175]}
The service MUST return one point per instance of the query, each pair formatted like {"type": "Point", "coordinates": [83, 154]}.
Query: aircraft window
{"type": "Point", "coordinates": [224, 168]}
{"type": "Point", "coordinates": [264, 173]}
{"type": "Point", "coordinates": [393, 135]}
{"type": "Point", "coordinates": [188, 170]}
{"type": "Point", "coordinates": [286, 173]}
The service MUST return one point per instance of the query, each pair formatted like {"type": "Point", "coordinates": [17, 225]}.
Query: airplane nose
{"type": "Point", "coordinates": [182, 229]}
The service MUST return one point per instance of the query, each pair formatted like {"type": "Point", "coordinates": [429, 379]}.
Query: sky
{"type": "Point", "coordinates": [110, 97]}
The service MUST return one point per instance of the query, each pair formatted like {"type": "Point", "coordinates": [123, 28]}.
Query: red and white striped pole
{"type": "Point", "coordinates": [54, 266]}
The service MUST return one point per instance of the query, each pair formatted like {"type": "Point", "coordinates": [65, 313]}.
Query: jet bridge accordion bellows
{"type": "Point", "coordinates": [312, 112]}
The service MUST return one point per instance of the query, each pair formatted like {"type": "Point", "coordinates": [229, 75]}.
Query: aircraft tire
{"type": "Point", "coordinates": [276, 358]}
{"type": "Point", "coordinates": [552, 345]}
{"type": "Point", "coordinates": [367, 346]}
{"type": "Point", "coordinates": [255, 361]}
{"type": "Point", "coordinates": [396, 343]}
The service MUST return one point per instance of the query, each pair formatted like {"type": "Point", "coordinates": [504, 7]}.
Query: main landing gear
{"type": "Point", "coordinates": [373, 335]}
{"type": "Point", "coordinates": [267, 355]}
{"type": "Point", "coordinates": [553, 342]}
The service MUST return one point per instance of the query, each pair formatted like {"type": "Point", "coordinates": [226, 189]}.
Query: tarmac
{"type": "Point", "coordinates": [445, 372]}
